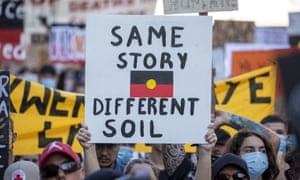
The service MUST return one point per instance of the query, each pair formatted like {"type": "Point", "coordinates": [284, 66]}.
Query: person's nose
{"type": "Point", "coordinates": [60, 174]}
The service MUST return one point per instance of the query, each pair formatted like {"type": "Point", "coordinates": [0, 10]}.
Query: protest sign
{"type": "Point", "coordinates": [250, 95]}
{"type": "Point", "coordinates": [191, 6]}
{"type": "Point", "coordinates": [5, 126]}
{"type": "Point", "coordinates": [41, 115]}
{"type": "Point", "coordinates": [148, 78]}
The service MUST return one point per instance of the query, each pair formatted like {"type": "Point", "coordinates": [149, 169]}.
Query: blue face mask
{"type": "Point", "coordinates": [257, 163]}
{"type": "Point", "coordinates": [125, 154]}
{"type": "Point", "coordinates": [48, 82]}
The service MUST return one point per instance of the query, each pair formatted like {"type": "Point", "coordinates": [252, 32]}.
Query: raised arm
{"type": "Point", "coordinates": [238, 122]}
{"type": "Point", "coordinates": [90, 157]}
{"type": "Point", "coordinates": [204, 151]}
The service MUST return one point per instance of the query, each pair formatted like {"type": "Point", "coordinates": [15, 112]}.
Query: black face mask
{"type": "Point", "coordinates": [213, 159]}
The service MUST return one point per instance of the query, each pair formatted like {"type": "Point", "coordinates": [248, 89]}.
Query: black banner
{"type": "Point", "coordinates": [5, 126]}
{"type": "Point", "coordinates": [11, 14]}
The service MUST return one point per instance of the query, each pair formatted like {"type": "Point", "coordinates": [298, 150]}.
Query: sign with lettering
{"type": "Point", "coordinates": [192, 6]}
{"type": "Point", "coordinates": [148, 78]}
{"type": "Point", "coordinates": [248, 93]}
{"type": "Point", "coordinates": [67, 43]}
{"type": "Point", "coordinates": [12, 45]}
{"type": "Point", "coordinates": [5, 126]}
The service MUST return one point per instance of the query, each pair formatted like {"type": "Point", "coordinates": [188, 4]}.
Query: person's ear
{"type": "Point", "coordinates": [14, 137]}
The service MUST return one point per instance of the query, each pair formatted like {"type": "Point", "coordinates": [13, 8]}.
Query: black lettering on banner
{"type": "Point", "coordinates": [254, 86]}
{"type": "Point", "coordinates": [43, 139]}
{"type": "Point", "coordinates": [27, 102]}
{"type": "Point", "coordinates": [79, 102]}
{"type": "Point", "coordinates": [232, 87]}
{"type": "Point", "coordinates": [57, 98]}
{"type": "Point", "coordinates": [166, 59]}
{"type": "Point", "coordinates": [142, 128]}
{"type": "Point", "coordinates": [111, 128]}
{"type": "Point", "coordinates": [128, 123]}
{"type": "Point", "coordinates": [117, 105]}
{"type": "Point", "coordinates": [73, 131]}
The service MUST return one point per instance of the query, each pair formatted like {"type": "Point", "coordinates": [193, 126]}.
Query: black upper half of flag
{"type": "Point", "coordinates": [161, 77]}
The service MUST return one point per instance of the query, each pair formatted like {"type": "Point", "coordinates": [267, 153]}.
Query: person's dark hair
{"type": "Point", "coordinates": [293, 158]}
{"type": "Point", "coordinates": [48, 68]}
{"type": "Point", "coordinates": [274, 119]}
{"type": "Point", "coordinates": [235, 143]}
{"type": "Point", "coordinates": [133, 162]}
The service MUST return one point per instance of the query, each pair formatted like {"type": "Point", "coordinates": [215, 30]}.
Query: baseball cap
{"type": "Point", "coordinates": [229, 159]}
{"type": "Point", "coordinates": [23, 170]}
{"type": "Point", "coordinates": [57, 147]}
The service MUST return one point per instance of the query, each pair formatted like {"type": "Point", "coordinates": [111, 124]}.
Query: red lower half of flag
{"type": "Point", "coordinates": [161, 90]}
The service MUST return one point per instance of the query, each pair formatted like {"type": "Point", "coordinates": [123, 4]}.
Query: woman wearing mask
{"type": "Point", "coordinates": [258, 153]}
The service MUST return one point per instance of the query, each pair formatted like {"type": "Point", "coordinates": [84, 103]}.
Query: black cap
{"type": "Point", "coordinates": [104, 174]}
{"type": "Point", "coordinates": [48, 68]}
{"type": "Point", "coordinates": [229, 159]}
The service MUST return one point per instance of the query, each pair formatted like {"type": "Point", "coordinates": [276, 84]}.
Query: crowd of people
{"type": "Point", "coordinates": [257, 151]}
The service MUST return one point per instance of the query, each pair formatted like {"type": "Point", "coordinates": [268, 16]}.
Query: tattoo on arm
{"type": "Point", "coordinates": [238, 122]}
{"type": "Point", "coordinates": [173, 156]}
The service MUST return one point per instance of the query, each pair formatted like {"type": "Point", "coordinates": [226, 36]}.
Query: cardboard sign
{"type": "Point", "coordinates": [148, 78]}
{"type": "Point", "coordinates": [191, 6]}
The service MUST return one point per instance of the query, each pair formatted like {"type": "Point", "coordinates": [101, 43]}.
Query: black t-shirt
{"type": "Point", "coordinates": [181, 173]}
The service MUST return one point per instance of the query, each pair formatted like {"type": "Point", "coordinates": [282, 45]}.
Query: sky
{"type": "Point", "coordinates": [263, 12]}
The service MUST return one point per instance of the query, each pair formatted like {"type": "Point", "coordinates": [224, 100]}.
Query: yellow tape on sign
{"type": "Point", "coordinates": [41, 115]}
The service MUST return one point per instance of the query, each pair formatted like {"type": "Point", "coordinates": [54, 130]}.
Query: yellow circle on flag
{"type": "Point", "coordinates": [151, 84]}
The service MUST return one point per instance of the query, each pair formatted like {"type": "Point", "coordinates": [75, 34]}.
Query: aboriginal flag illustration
{"type": "Point", "coordinates": [151, 84]}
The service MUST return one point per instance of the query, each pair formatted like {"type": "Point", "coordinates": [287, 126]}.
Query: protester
{"type": "Point", "coordinates": [104, 174]}
{"type": "Point", "coordinates": [293, 159]}
{"type": "Point", "coordinates": [258, 153]}
{"type": "Point", "coordinates": [59, 161]}
{"type": "Point", "coordinates": [280, 126]}
{"type": "Point", "coordinates": [48, 76]}
{"type": "Point", "coordinates": [177, 166]}
{"type": "Point", "coordinates": [230, 166]}
{"type": "Point", "coordinates": [22, 170]}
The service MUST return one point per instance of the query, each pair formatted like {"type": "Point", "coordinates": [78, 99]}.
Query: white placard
{"type": "Point", "coordinates": [192, 6]}
{"type": "Point", "coordinates": [148, 78]}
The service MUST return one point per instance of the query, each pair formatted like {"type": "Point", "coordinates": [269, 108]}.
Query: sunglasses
{"type": "Point", "coordinates": [52, 169]}
{"type": "Point", "coordinates": [236, 176]}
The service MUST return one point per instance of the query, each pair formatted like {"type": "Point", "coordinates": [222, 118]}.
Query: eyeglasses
{"type": "Point", "coordinates": [52, 169]}
{"type": "Point", "coordinates": [236, 176]}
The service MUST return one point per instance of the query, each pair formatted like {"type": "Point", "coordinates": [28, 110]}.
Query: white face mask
{"type": "Point", "coordinates": [257, 163]}
{"type": "Point", "coordinates": [48, 82]}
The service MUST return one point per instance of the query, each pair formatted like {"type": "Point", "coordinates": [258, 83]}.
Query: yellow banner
{"type": "Point", "coordinates": [251, 95]}
{"type": "Point", "coordinates": [41, 115]}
